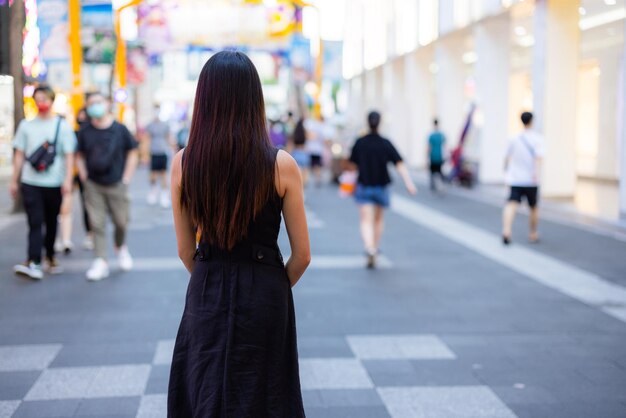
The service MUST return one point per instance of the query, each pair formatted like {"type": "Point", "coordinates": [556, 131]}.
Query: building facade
{"type": "Point", "coordinates": [561, 59]}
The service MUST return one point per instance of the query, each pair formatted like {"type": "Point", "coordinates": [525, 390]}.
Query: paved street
{"type": "Point", "coordinates": [452, 324]}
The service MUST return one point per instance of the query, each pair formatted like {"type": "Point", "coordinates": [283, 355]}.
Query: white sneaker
{"type": "Point", "coordinates": [68, 246]}
{"type": "Point", "coordinates": [164, 201]}
{"type": "Point", "coordinates": [99, 270]}
{"type": "Point", "coordinates": [58, 246]}
{"type": "Point", "coordinates": [124, 260]}
{"type": "Point", "coordinates": [152, 197]}
{"type": "Point", "coordinates": [29, 269]}
{"type": "Point", "coordinates": [88, 243]}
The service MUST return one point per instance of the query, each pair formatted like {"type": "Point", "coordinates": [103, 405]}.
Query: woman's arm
{"type": "Point", "coordinates": [406, 177]}
{"type": "Point", "coordinates": [289, 184]}
{"type": "Point", "coordinates": [185, 231]}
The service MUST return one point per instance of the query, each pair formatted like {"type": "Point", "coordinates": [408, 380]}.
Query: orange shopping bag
{"type": "Point", "coordinates": [347, 183]}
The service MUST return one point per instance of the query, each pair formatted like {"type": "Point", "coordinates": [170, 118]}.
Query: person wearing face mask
{"type": "Point", "coordinates": [42, 185]}
{"type": "Point", "coordinates": [107, 158]}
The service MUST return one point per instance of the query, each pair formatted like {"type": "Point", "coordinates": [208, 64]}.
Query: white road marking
{"type": "Point", "coordinates": [151, 264]}
{"type": "Point", "coordinates": [579, 284]}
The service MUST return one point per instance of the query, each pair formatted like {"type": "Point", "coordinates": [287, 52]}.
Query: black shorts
{"type": "Point", "coordinates": [530, 193]}
{"type": "Point", "coordinates": [158, 162]}
{"type": "Point", "coordinates": [435, 167]}
{"type": "Point", "coordinates": [316, 160]}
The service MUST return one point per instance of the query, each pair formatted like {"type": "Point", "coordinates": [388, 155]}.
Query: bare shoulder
{"type": "Point", "coordinates": [287, 172]}
{"type": "Point", "coordinates": [178, 157]}
{"type": "Point", "coordinates": [177, 164]}
{"type": "Point", "coordinates": [285, 161]}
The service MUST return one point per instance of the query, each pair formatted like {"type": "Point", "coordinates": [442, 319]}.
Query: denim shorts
{"type": "Point", "coordinates": [372, 195]}
{"type": "Point", "coordinates": [303, 159]}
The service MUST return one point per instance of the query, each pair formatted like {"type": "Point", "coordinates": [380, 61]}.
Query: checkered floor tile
{"type": "Point", "coordinates": [40, 389]}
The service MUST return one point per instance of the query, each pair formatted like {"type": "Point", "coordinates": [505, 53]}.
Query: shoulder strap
{"type": "Point", "coordinates": [529, 147]}
{"type": "Point", "coordinates": [56, 133]}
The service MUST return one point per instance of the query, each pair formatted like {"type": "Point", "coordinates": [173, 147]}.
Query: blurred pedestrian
{"type": "Point", "coordinates": [182, 137]}
{"type": "Point", "coordinates": [299, 152]}
{"type": "Point", "coordinates": [523, 171]}
{"type": "Point", "coordinates": [436, 143]}
{"type": "Point", "coordinates": [277, 134]}
{"type": "Point", "coordinates": [289, 124]}
{"type": "Point", "coordinates": [64, 239]}
{"type": "Point", "coordinates": [160, 148]}
{"type": "Point", "coordinates": [316, 147]}
{"type": "Point", "coordinates": [235, 353]}
{"type": "Point", "coordinates": [42, 164]}
{"type": "Point", "coordinates": [83, 120]}
{"type": "Point", "coordinates": [107, 158]}
{"type": "Point", "coordinates": [371, 154]}
{"type": "Point", "coordinates": [462, 171]}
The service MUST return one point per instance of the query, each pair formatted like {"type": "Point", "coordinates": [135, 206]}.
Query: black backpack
{"type": "Point", "coordinates": [43, 157]}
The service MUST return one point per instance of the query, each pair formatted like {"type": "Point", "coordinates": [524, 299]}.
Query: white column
{"type": "Point", "coordinates": [356, 105]}
{"type": "Point", "coordinates": [446, 16]}
{"type": "Point", "coordinates": [450, 80]}
{"type": "Point", "coordinates": [394, 111]}
{"type": "Point", "coordinates": [388, 92]}
{"type": "Point", "coordinates": [622, 136]}
{"type": "Point", "coordinates": [555, 72]}
{"type": "Point", "coordinates": [493, 70]}
{"type": "Point", "coordinates": [373, 89]}
{"type": "Point", "coordinates": [607, 162]}
{"type": "Point", "coordinates": [419, 93]}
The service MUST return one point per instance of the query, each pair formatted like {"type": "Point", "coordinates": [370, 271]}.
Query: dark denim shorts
{"type": "Point", "coordinates": [531, 193]}
{"type": "Point", "coordinates": [372, 195]}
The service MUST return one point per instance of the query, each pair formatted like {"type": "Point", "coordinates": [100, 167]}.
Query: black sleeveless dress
{"type": "Point", "coordinates": [235, 354]}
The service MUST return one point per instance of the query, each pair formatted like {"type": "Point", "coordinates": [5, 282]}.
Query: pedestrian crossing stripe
{"type": "Point", "coordinates": [151, 264]}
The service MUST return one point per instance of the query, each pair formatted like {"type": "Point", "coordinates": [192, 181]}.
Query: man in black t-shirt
{"type": "Point", "coordinates": [107, 158]}
{"type": "Point", "coordinates": [370, 155]}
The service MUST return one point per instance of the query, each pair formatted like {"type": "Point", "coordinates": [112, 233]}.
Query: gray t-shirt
{"type": "Point", "coordinates": [30, 135]}
{"type": "Point", "coordinates": [159, 137]}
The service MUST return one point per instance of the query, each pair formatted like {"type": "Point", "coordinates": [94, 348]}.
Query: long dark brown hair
{"type": "Point", "coordinates": [299, 133]}
{"type": "Point", "coordinates": [228, 165]}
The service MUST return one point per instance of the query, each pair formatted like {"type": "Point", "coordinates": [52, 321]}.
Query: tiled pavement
{"type": "Point", "coordinates": [449, 327]}
{"type": "Point", "coordinates": [362, 379]}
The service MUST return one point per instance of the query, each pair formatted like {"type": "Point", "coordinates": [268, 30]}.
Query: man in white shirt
{"type": "Point", "coordinates": [523, 171]}
{"type": "Point", "coordinates": [317, 137]}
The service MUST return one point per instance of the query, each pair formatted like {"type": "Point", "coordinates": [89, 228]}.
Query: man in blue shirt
{"type": "Point", "coordinates": [436, 142]}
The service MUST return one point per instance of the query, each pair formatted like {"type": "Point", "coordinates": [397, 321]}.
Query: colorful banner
{"type": "Point", "coordinates": [154, 30]}
{"type": "Point", "coordinates": [217, 24]}
{"type": "Point", "coordinates": [97, 33]}
{"type": "Point", "coordinates": [137, 65]}
{"type": "Point", "coordinates": [53, 30]}
{"type": "Point", "coordinates": [333, 61]}
{"type": "Point", "coordinates": [301, 61]}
